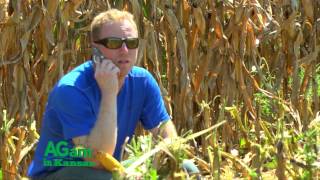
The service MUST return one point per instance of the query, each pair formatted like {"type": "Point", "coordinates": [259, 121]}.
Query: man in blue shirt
{"type": "Point", "coordinates": [98, 104]}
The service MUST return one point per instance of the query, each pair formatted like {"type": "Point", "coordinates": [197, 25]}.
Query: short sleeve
{"type": "Point", "coordinates": [74, 111]}
{"type": "Point", "coordinates": [154, 111]}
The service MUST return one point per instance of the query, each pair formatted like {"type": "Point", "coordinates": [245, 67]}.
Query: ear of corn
{"type": "Point", "coordinates": [109, 162]}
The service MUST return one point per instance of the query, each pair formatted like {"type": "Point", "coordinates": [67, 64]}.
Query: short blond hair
{"type": "Point", "coordinates": [112, 15]}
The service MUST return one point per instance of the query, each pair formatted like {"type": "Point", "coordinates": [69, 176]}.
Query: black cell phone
{"type": "Point", "coordinates": [97, 55]}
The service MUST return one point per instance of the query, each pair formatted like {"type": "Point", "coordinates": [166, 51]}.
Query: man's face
{"type": "Point", "coordinates": [123, 57]}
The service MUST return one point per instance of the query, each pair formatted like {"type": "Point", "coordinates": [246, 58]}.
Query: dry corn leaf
{"type": "Point", "coordinates": [49, 36]}
{"type": "Point", "coordinates": [24, 41]}
{"type": "Point", "coordinates": [52, 7]}
{"type": "Point", "coordinates": [289, 25]}
{"type": "Point", "coordinates": [182, 46]}
{"type": "Point", "coordinates": [308, 6]}
{"type": "Point", "coordinates": [172, 20]}
{"type": "Point", "coordinates": [186, 12]}
{"type": "Point", "coordinates": [199, 19]}
{"type": "Point", "coordinates": [37, 15]}
{"type": "Point", "coordinates": [136, 10]}
{"type": "Point", "coordinates": [297, 44]}
{"type": "Point", "coordinates": [239, 12]}
{"type": "Point", "coordinates": [310, 57]}
{"type": "Point", "coordinates": [201, 71]}
{"type": "Point", "coordinates": [69, 10]}
{"type": "Point", "coordinates": [218, 29]}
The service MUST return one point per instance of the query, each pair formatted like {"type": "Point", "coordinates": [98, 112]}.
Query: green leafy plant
{"type": "Point", "coordinates": [137, 148]}
{"type": "Point", "coordinates": [308, 154]}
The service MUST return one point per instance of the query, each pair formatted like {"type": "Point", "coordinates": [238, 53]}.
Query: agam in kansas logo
{"type": "Point", "coordinates": [59, 154]}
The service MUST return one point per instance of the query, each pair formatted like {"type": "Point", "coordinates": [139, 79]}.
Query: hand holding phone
{"type": "Point", "coordinates": [97, 55]}
{"type": "Point", "coordinates": [106, 73]}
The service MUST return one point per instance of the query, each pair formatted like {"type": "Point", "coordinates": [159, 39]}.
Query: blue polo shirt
{"type": "Point", "coordinates": [73, 108]}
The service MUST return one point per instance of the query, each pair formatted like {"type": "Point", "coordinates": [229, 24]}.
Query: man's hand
{"type": "Point", "coordinates": [82, 141]}
{"type": "Point", "coordinates": [106, 75]}
{"type": "Point", "coordinates": [165, 130]}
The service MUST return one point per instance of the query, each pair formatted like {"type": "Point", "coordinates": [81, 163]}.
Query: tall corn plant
{"type": "Point", "coordinates": [252, 62]}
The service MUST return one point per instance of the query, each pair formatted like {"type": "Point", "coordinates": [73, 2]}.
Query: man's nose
{"type": "Point", "coordinates": [124, 47]}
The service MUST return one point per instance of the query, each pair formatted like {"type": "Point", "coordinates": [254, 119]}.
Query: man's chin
{"type": "Point", "coordinates": [124, 73]}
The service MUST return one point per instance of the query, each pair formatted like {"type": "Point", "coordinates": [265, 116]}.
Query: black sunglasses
{"type": "Point", "coordinates": [116, 43]}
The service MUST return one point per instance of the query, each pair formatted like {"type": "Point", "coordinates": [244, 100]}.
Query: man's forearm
{"type": "Point", "coordinates": [103, 135]}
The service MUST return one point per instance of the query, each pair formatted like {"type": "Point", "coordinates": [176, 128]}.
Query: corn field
{"type": "Point", "coordinates": [252, 65]}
